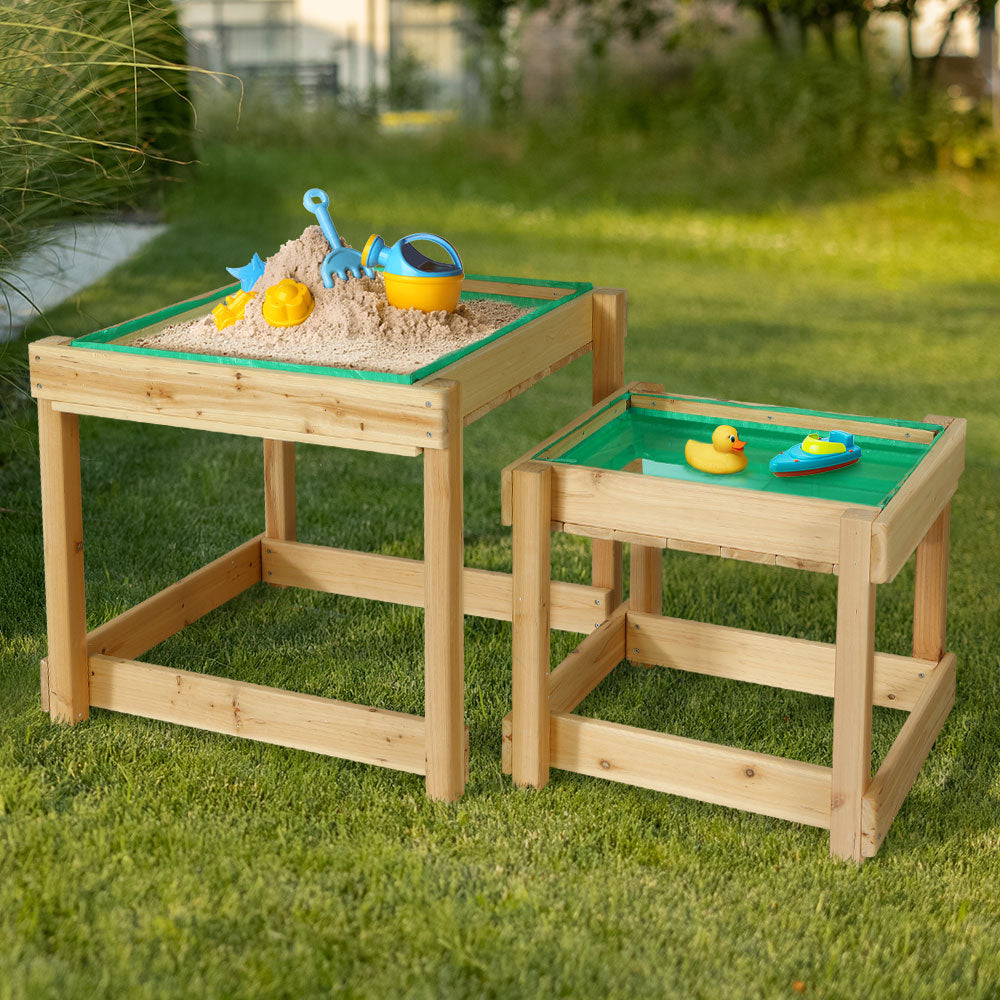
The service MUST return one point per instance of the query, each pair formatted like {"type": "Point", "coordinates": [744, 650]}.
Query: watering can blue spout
{"type": "Point", "coordinates": [412, 279]}
{"type": "Point", "coordinates": [403, 258]}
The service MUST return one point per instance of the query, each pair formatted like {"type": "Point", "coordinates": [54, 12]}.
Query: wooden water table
{"type": "Point", "coordinates": [618, 473]}
{"type": "Point", "coordinates": [422, 415]}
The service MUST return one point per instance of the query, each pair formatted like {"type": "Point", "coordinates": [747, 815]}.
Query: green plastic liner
{"type": "Point", "coordinates": [657, 437]}
{"type": "Point", "coordinates": [116, 338]}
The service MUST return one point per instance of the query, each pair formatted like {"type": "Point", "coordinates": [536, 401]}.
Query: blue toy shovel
{"type": "Point", "coordinates": [340, 261]}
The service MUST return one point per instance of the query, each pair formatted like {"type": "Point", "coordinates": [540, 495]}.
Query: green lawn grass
{"type": "Point", "coordinates": [142, 859]}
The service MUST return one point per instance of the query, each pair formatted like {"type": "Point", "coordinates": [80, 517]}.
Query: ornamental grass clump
{"type": "Point", "coordinates": [93, 110]}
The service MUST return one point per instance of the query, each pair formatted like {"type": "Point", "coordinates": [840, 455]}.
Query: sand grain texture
{"type": "Point", "coordinates": [351, 326]}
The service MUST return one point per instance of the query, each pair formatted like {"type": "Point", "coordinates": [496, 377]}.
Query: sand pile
{"type": "Point", "coordinates": [351, 326]}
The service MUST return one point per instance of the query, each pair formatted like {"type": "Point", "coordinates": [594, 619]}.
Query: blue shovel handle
{"type": "Point", "coordinates": [316, 200]}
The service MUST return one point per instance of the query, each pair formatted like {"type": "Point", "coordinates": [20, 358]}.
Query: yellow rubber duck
{"type": "Point", "coordinates": [722, 457]}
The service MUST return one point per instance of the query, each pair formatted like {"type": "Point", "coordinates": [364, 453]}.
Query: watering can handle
{"type": "Point", "coordinates": [317, 201]}
{"type": "Point", "coordinates": [444, 244]}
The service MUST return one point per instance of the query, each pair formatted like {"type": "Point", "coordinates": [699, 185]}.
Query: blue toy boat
{"type": "Point", "coordinates": [817, 454]}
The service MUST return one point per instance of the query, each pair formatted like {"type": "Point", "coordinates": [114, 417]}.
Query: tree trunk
{"type": "Point", "coordinates": [914, 68]}
{"type": "Point", "coordinates": [988, 57]}
{"type": "Point", "coordinates": [859, 20]}
{"type": "Point", "coordinates": [828, 30]}
{"type": "Point", "coordinates": [803, 26]}
{"type": "Point", "coordinates": [932, 65]}
{"type": "Point", "coordinates": [769, 25]}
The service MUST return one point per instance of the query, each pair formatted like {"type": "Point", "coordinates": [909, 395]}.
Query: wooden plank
{"type": "Point", "coordinates": [85, 409]}
{"type": "Point", "coordinates": [579, 426]}
{"type": "Point", "coordinates": [351, 444]}
{"type": "Point", "coordinates": [748, 555]}
{"type": "Point", "coordinates": [610, 326]}
{"type": "Point", "coordinates": [506, 744]}
{"type": "Point", "coordinates": [811, 566]}
{"type": "Point", "coordinates": [576, 424]}
{"type": "Point", "coordinates": [573, 437]}
{"type": "Point", "coordinates": [906, 756]}
{"type": "Point", "coordinates": [699, 548]}
{"type": "Point", "coordinates": [630, 537]}
{"type": "Point", "coordinates": [515, 289]}
{"type": "Point", "coordinates": [588, 664]}
{"type": "Point", "coordinates": [645, 573]}
{"type": "Point", "coordinates": [646, 578]}
{"type": "Point", "coordinates": [279, 489]}
{"type": "Point", "coordinates": [486, 593]}
{"type": "Point", "coordinates": [139, 629]}
{"type": "Point", "coordinates": [255, 712]}
{"type": "Point", "coordinates": [760, 658]}
{"type": "Point", "coordinates": [933, 418]}
{"type": "Point", "coordinates": [853, 684]}
{"type": "Point", "coordinates": [607, 570]}
{"type": "Point", "coordinates": [444, 625]}
{"type": "Point", "coordinates": [258, 402]}
{"type": "Point", "coordinates": [526, 383]}
{"type": "Point", "coordinates": [573, 607]}
{"type": "Point", "coordinates": [930, 592]}
{"type": "Point", "coordinates": [62, 531]}
{"type": "Point", "coordinates": [760, 414]}
{"type": "Point", "coordinates": [917, 504]}
{"type": "Point", "coordinates": [741, 779]}
{"type": "Point", "coordinates": [343, 571]}
{"type": "Point", "coordinates": [645, 592]}
{"type": "Point", "coordinates": [490, 375]}
{"type": "Point", "coordinates": [703, 514]}
{"type": "Point", "coordinates": [43, 671]}
{"type": "Point", "coordinates": [530, 658]}
{"type": "Point", "coordinates": [214, 296]}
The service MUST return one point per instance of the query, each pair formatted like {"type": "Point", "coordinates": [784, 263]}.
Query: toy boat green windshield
{"type": "Point", "coordinates": [817, 454]}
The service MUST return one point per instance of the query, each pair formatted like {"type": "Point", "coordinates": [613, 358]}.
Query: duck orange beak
{"type": "Point", "coordinates": [739, 445]}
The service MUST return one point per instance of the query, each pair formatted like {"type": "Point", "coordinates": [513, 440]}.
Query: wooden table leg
{"type": "Point", "coordinates": [279, 489]}
{"type": "Point", "coordinates": [62, 527]}
{"type": "Point", "coordinates": [930, 594]}
{"type": "Point", "coordinates": [646, 579]}
{"type": "Point", "coordinates": [852, 692]}
{"type": "Point", "coordinates": [531, 487]}
{"type": "Point", "coordinates": [645, 589]}
{"type": "Point", "coordinates": [444, 638]}
{"type": "Point", "coordinates": [609, 330]}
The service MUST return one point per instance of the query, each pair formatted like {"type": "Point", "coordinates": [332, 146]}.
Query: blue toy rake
{"type": "Point", "coordinates": [340, 261]}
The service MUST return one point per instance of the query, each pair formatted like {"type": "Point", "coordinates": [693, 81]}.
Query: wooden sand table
{"type": "Point", "coordinates": [351, 326]}
{"type": "Point", "coordinates": [421, 414]}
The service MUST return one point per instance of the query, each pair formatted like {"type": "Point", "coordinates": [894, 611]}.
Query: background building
{"type": "Point", "coordinates": [344, 47]}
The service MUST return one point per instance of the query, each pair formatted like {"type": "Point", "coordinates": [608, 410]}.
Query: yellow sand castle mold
{"type": "Point", "coordinates": [287, 303]}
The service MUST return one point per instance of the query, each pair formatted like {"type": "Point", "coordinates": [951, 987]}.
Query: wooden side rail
{"type": "Point", "coordinates": [774, 786]}
{"type": "Point", "coordinates": [909, 515]}
{"type": "Point", "coordinates": [906, 756]}
{"type": "Point", "coordinates": [761, 414]}
{"type": "Point", "coordinates": [501, 370]}
{"type": "Point", "coordinates": [139, 629]}
{"type": "Point", "coordinates": [582, 670]}
{"type": "Point", "coordinates": [144, 626]}
{"type": "Point", "coordinates": [588, 664]}
{"type": "Point", "coordinates": [255, 712]}
{"type": "Point", "coordinates": [259, 402]}
{"type": "Point", "coordinates": [485, 593]}
{"type": "Point", "coordinates": [761, 658]}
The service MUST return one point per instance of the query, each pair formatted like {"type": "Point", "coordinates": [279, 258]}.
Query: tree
{"type": "Point", "coordinates": [604, 19]}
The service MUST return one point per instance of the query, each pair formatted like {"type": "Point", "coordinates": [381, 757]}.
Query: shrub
{"type": "Point", "coordinates": [747, 124]}
{"type": "Point", "coordinates": [93, 108]}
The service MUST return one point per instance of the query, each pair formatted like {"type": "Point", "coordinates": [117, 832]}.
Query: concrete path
{"type": "Point", "coordinates": [77, 256]}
